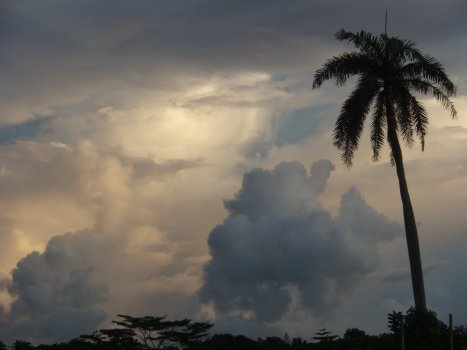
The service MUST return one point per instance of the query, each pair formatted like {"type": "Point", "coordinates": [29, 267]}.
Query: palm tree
{"type": "Point", "coordinates": [388, 70]}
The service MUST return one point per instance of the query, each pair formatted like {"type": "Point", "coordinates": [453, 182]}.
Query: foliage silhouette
{"type": "Point", "coordinates": [157, 333]}
{"type": "Point", "coordinates": [357, 339]}
{"type": "Point", "coordinates": [395, 321]}
{"type": "Point", "coordinates": [116, 338]}
{"type": "Point", "coordinates": [323, 336]}
{"type": "Point", "coordinates": [230, 342]}
{"type": "Point", "coordinates": [389, 69]}
{"type": "Point", "coordinates": [325, 340]}
{"type": "Point", "coordinates": [274, 343]}
{"type": "Point", "coordinates": [423, 331]}
{"type": "Point", "coordinates": [22, 345]}
{"type": "Point", "coordinates": [460, 338]}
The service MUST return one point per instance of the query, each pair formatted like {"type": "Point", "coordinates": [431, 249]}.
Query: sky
{"type": "Point", "coordinates": [171, 158]}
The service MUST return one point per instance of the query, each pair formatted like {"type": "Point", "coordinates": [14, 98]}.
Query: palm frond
{"type": "Point", "coordinates": [429, 69]}
{"type": "Point", "coordinates": [425, 87]}
{"type": "Point", "coordinates": [403, 114]}
{"type": "Point", "coordinates": [391, 158]}
{"type": "Point", "coordinates": [392, 126]}
{"type": "Point", "coordinates": [378, 123]}
{"type": "Point", "coordinates": [402, 50]}
{"type": "Point", "coordinates": [365, 41]}
{"type": "Point", "coordinates": [420, 119]}
{"type": "Point", "coordinates": [342, 67]}
{"type": "Point", "coordinates": [349, 123]}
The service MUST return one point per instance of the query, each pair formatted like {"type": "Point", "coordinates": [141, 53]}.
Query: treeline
{"type": "Point", "coordinates": [421, 330]}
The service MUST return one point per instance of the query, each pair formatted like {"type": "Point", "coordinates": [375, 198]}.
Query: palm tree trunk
{"type": "Point", "coordinates": [409, 218]}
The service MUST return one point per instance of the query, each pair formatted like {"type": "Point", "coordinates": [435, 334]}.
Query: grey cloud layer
{"type": "Point", "coordinates": [57, 53]}
{"type": "Point", "coordinates": [278, 245]}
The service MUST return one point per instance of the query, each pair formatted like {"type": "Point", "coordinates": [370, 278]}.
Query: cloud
{"type": "Point", "coordinates": [278, 245]}
{"type": "Point", "coordinates": [146, 168]}
{"type": "Point", "coordinates": [288, 125]}
{"type": "Point", "coordinates": [404, 275]}
{"type": "Point", "coordinates": [84, 49]}
{"type": "Point", "coordinates": [299, 124]}
{"type": "Point", "coordinates": [356, 214]}
{"type": "Point", "coordinates": [320, 172]}
{"type": "Point", "coordinates": [397, 276]}
{"type": "Point", "coordinates": [281, 192]}
{"type": "Point", "coordinates": [55, 298]}
{"type": "Point", "coordinates": [68, 284]}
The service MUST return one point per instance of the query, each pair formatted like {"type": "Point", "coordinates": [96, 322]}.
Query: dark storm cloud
{"type": "Point", "coordinates": [55, 297]}
{"type": "Point", "coordinates": [278, 243]}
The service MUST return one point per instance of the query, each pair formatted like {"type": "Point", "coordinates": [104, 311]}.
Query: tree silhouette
{"type": "Point", "coordinates": [158, 333]}
{"type": "Point", "coordinates": [424, 331]}
{"type": "Point", "coordinates": [357, 339]}
{"type": "Point", "coordinates": [323, 335]}
{"type": "Point", "coordinates": [460, 337]}
{"type": "Point", "coordinates": [22, 345]}
{"type": "Point", "coordinates": [325, 341]}
{"type": "Point", "coordinates": [395, 321]}
{"type": "Point", "coordinates": [115, 339]}
{"type": "Point", "coordinates": [230, 342]}
{"type": "Point", "coordinates": [389, 69]}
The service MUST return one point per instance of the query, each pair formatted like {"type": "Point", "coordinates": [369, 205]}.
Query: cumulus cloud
{"type": "Point", "coordinates": [278, 245]}
{"type": "Point", "coordinates": [54, 295]}
{"type": "Point", "coordinates": [281, 192]}
{"type": "Point", "coordinates": [83, 279]}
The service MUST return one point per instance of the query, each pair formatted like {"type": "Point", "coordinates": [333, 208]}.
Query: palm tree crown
{"type": "Point", "coordinates": [388, 70]}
